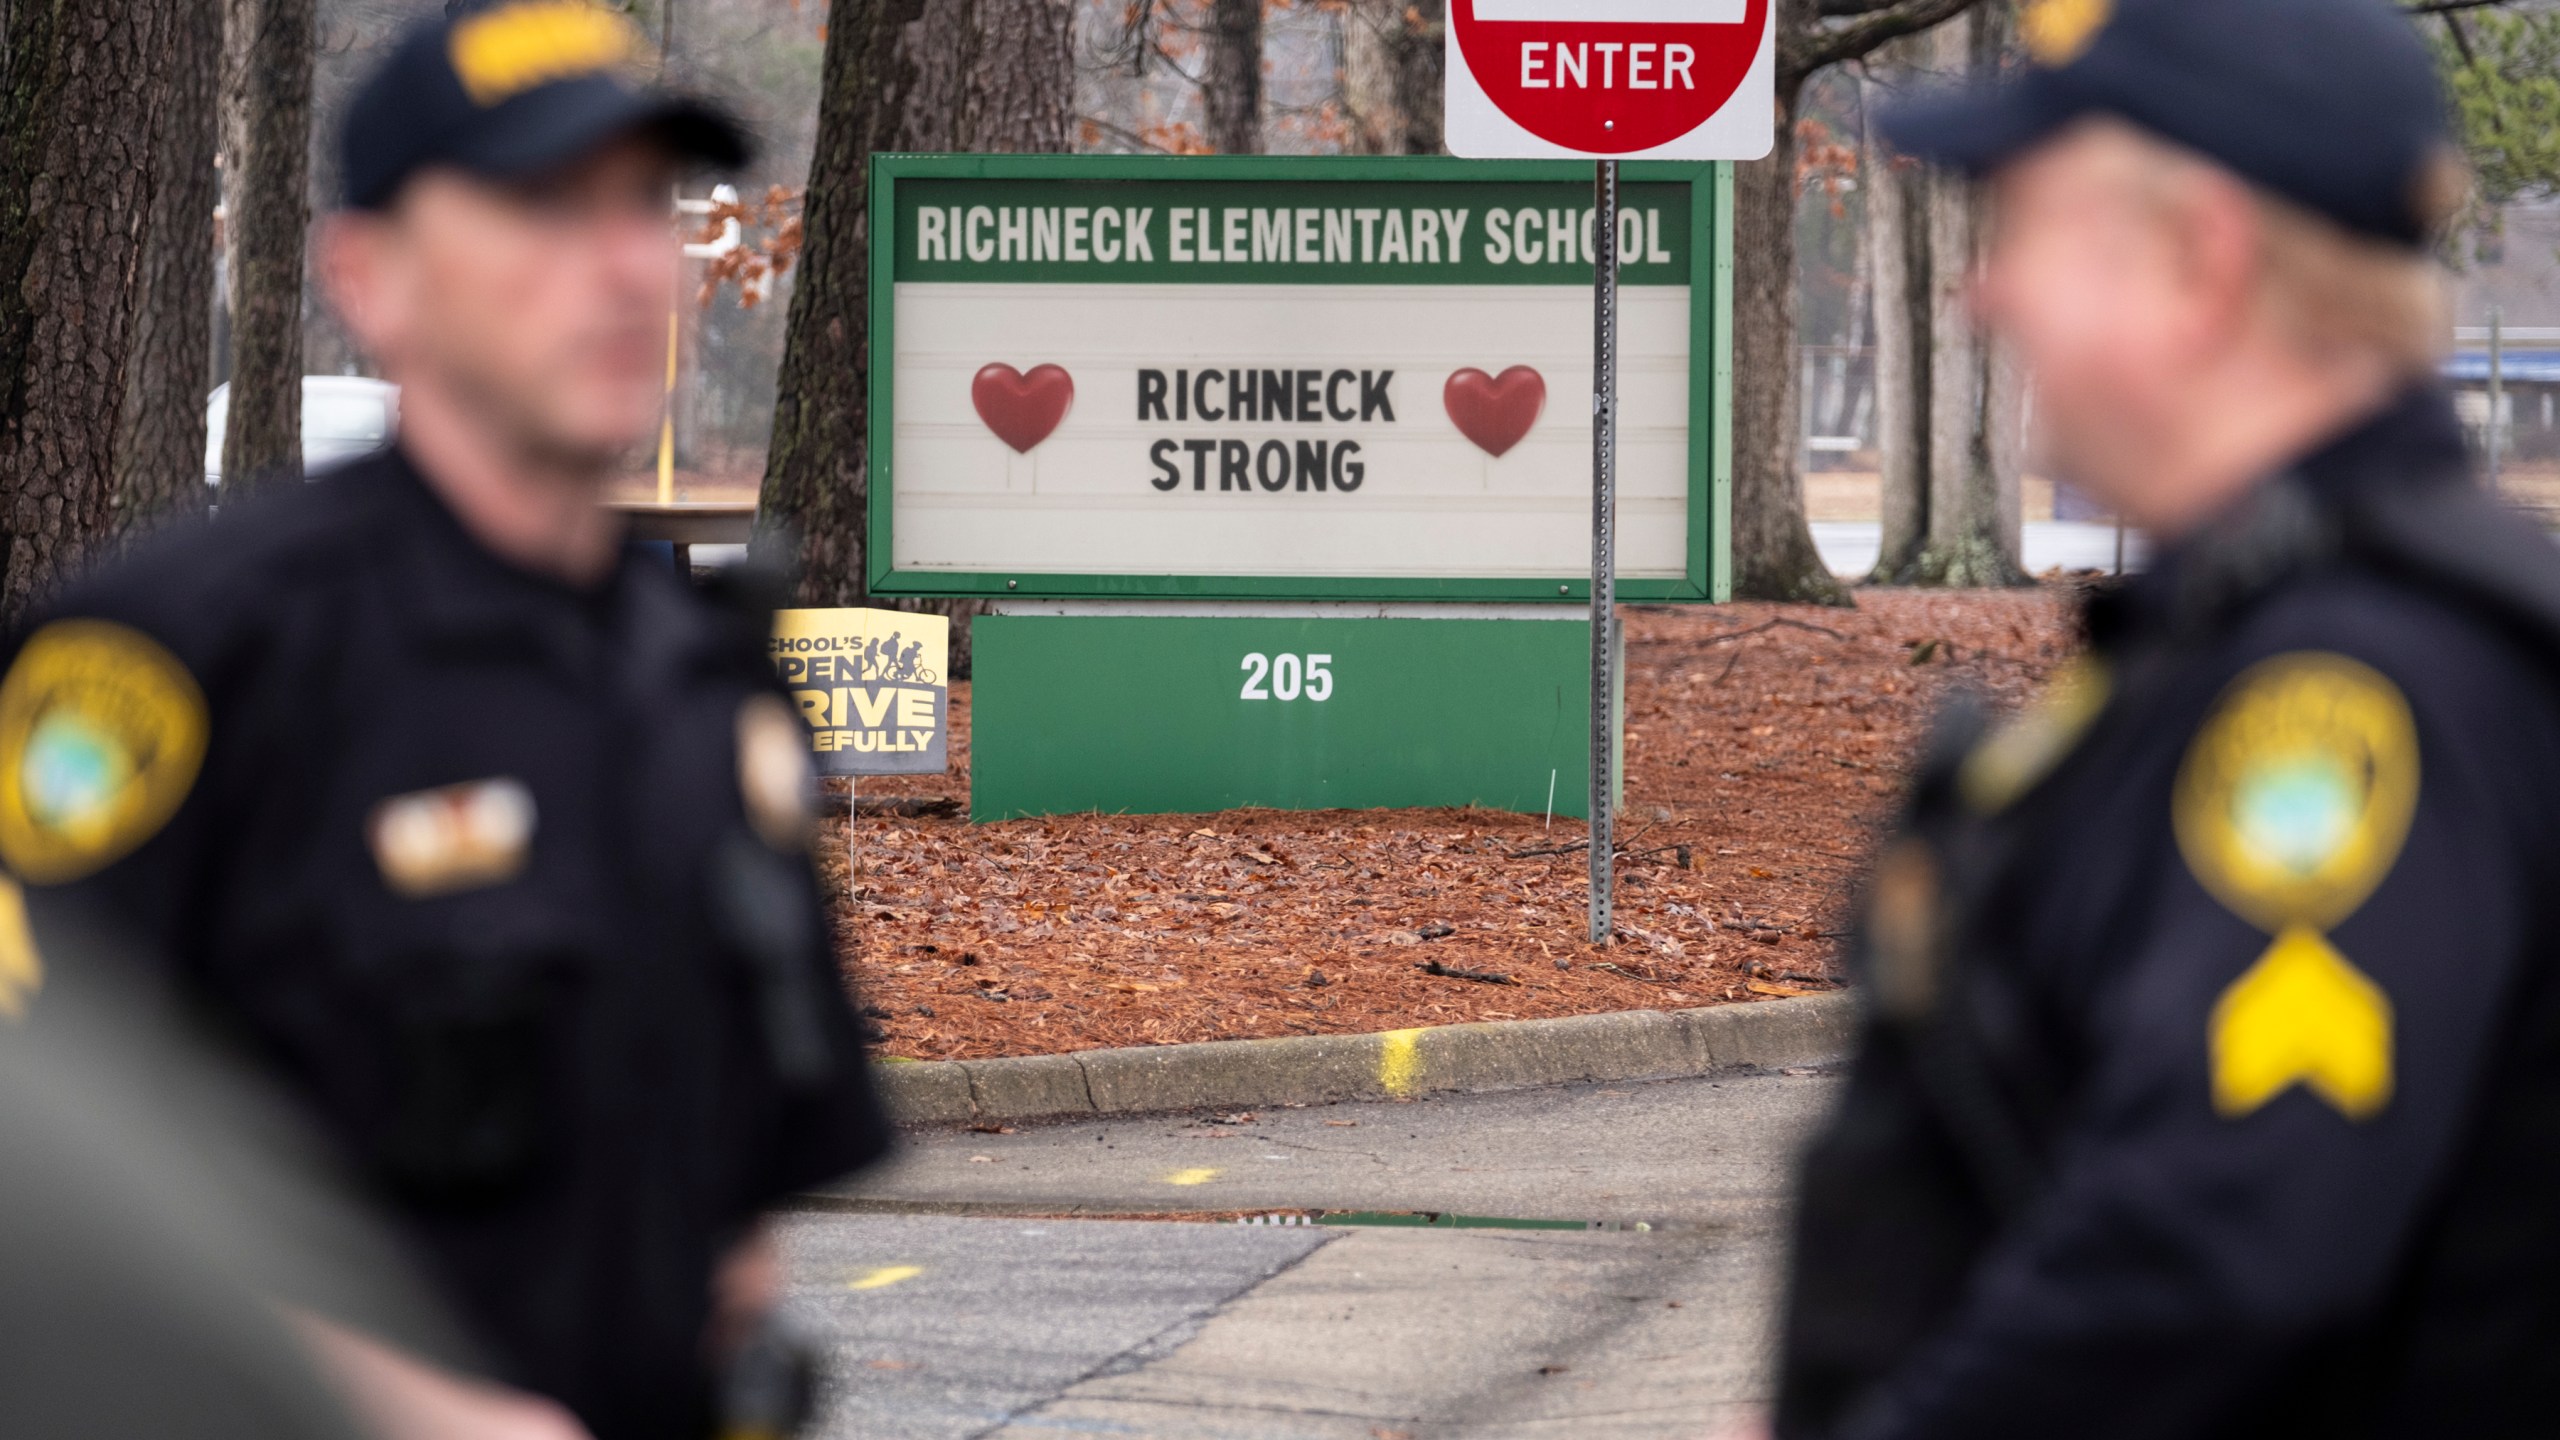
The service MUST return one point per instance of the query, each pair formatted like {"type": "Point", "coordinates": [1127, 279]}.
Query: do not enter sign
{"type": "Point", "coordinates": [1636, 79]}
{"type": "Point", "coordinates": [1606, 80]}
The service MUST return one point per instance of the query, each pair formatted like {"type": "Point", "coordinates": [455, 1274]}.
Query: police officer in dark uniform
{"type": "Point", "coordinates": [2209, 1083]}
{"type": "Point", "coordinates": [483, 830]}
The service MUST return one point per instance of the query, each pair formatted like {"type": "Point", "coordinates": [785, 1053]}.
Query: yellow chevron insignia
{"type": "Point", "coordinates": [21, 968]}
{"type": "Point", "coordinates": [2294, 800]}
{"type": "Point", "coordinates": [2304, 1013]}
{"type": "Point", "coordinates": [504, 52]}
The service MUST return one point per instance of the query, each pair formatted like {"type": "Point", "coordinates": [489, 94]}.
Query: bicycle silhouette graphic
{"type": "Point", "coordinates": [887, 660]}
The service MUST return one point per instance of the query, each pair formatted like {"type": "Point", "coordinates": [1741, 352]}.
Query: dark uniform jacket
{"type": "Point", "coordinates": [507, 879]}
{"type": "Point", "coordinates": [2211, 1079]}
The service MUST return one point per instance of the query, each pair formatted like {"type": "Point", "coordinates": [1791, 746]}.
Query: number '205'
{"type": "Point", "coordinates": [1287, 677]}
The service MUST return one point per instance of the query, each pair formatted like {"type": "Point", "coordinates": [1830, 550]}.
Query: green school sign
{"type": "Point", "coordinates": [1265, 378]}
{"type": "Point", "coordinates": [1278, 471]}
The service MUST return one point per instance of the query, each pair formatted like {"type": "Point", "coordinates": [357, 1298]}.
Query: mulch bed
{"type": "Point", "coordinates": [1764, 746]}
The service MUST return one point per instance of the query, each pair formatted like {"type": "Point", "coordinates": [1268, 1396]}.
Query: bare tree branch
{"type": "Point", "coordinates": [1841, 43]}
{"type": "Point", "coordinates": [1805, 52]}
{"type": "Point", "coordinates": [2448, 7]}
{"type": "Point", "coordinates": [1123, 135]}
{"type": "Point", "coordinates": [2461, 39]}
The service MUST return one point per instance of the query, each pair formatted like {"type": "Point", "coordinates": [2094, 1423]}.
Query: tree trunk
{"type": "Point", "coordinates": [811, 509]}
{"type": "Point", "coordinates": [1231, 78]}
{"type": "Point", "coordinates": [1773, 552]}
{"type": "Point", "coordinates": [2004, 415]}
{"type": "Point", "coordinates": [1840, 394]}
{"type": "Point", "coordinates": [991, 77]}
{"type": "Point", "coordinates": [267, 139]}
{"type": "Point", "coordinates": [1898, 255]}
{"type": "Point", "coordinates": [986, 75]}
{"type": "Point", "coordinates": [75, 202]}
{"type": "Point", "coordinates": [1393, 55]}
{"type": "Point", "coordinates": [160, 441]}
{"type": "Point", "coordinates": [1973, 477]}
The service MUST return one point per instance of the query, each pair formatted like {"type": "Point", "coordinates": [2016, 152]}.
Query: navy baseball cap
{"type": "Point", "coordinates": [2331, 104]}
{"type": "Point", "coordinates": [514, 90]}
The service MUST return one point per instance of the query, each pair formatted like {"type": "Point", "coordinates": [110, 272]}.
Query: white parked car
{"type": "Point", "coordinates": [343, 416]}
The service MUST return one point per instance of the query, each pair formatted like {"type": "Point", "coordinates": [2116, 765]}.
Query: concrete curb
{"type": "Point", "coordinates": [1321, 1069]}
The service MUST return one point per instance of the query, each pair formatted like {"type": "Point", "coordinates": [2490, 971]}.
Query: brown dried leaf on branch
{"type": "Point", "coordinates": [769, 243]}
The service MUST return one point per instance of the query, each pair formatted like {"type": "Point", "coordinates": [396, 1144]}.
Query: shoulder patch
{"type": "Point", "coordinates": [2295, 798]}
{"type": "Point", "coordinates": [775, 774]}
{"type": "Point", "coordinates": [102, 732]}
{"type": "Point", "coordinates": [2019, 755]}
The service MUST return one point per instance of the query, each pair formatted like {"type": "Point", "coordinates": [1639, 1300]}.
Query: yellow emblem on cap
{"type": "Point", "coordinates": [504, 52]}
{"type": "Point", "coordinates": [2302, 1015]}
{"type": "Point", "coordinates": [2058, 32]}
{"type": "Point", "coordinates": [2291, 807]}
{"type": "Point", "coordinates": [101, 734]}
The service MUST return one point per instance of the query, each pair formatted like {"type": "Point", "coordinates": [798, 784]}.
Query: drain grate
{"type": "Point", "coordinates": [1349, 1219]}
{"type": "Point", "coordinates": [1434, 1220]}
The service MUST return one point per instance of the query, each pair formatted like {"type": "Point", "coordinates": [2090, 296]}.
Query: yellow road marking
{"type": "Point", "coordinates": [1399, 1061]}
{"type": "Point", "coordinates": [884, 1277]}
{"type": "Point", "coordinates": [1197, 1175]}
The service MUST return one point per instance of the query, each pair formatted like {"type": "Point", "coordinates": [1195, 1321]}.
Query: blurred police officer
{"type": "Point", "coordinates": [486, 832]}
{"type": "Point", "coordinates": [2211, 1079]}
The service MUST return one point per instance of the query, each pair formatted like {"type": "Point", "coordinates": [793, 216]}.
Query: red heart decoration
{"type": "Point", "coordinates": [1022, 409]}
{"type": "Point", "coordinates": [1495, 411]}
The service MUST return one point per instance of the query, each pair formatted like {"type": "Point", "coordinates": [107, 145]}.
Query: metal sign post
{"type": "Point", "coordinates": [1604, 548]}
{"type": "Point", "coordinates": [2497, 395]}
{"type": "Point", "coordinates": [1538, 78]}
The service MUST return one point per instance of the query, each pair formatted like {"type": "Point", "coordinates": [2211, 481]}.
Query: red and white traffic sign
{"type": "Point", "coordinates": [1601, 79]}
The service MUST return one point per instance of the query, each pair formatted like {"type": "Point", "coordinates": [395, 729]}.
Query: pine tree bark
{"type": "Point", "coordinates": [75, 202]}
{"type": "Point", "coordinates": [991, 77]}
{"type": "Point", "coordinates": [1393, 61]}
{"type": "Point", "coordinates": [1973, 478]}
{"type": "Point", "coordinates": [160, 441]}
{"type": "Point", "coordinates": [1231, 78]}
{"type": "Point", "coordinates": [267, 140]}
{"type": "Point", "coordinates": [1774, 557]}
{"type": "Point", "coordinates": [1898, 258]}
{"type": "Point", "coordinates": [984, 75]}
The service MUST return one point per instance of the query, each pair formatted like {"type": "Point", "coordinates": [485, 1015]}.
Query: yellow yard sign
{"type": "Point", "coordinates": [870, 684]}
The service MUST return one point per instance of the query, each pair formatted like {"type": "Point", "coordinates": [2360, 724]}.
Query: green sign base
{"type": "Point", "coordinates": [1182, 714]}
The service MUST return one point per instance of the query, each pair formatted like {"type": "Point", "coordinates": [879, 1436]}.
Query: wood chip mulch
{"type": "Point", "coordinates": [1764, 745]}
